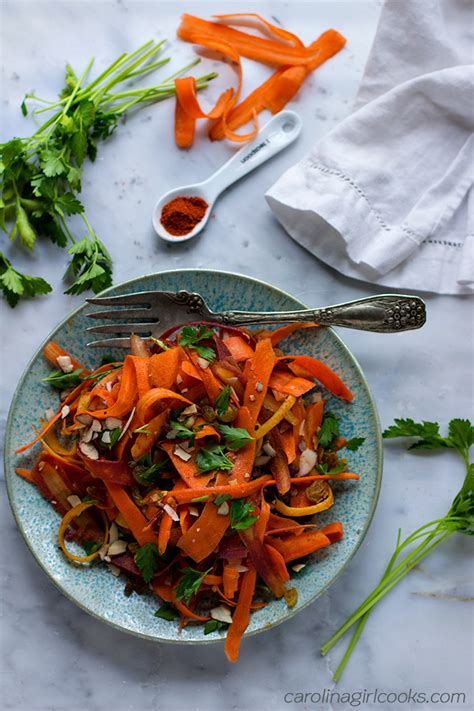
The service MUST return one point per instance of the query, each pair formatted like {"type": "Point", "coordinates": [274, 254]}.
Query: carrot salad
{"type": "Point", "coordinates": [196, 467]}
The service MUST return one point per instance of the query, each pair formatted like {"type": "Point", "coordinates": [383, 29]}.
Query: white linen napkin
{"type": "Point", "coordinates": [388, 196]}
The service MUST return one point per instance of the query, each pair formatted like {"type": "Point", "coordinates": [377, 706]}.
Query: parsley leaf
{"type": "Point", "coordinates": [192, 337]}
{"type": "Point", "coordinates": [214, 626]}
{"type": "Point", "coordinates": [148, 475]}
{"type": "Point", "coordinates": [16, 285]}
{"type": "Point", "coordinates": [147, 559]}
{"type": "Point", "coordinates": [223, 401]}
{"type": "Point", "coordinates": [61, 380]}
{"type": "Point", "coordinates": [354, 443]}
{"type": "Point", "coordinates": [91, 547]}
{"type": "Point", "coordinates": [91, 265]}
{"type": "Point", "coordinates": [324, 469]}
{"type": "Point", "coordinates": [180, 430]}
{"type": "Point", "coordinates": [114, 436]}
{"type": "Point", "coordinates": [189, 583]}
{"type": "Point", "coordinates": [329, 430]}
{"type": "Point", "coordinates": [460, 434]}
{"type": "Point", "coordinates": [426, 432]}
{"type": "Point", "coordinates": [221, 498]}
{"type": "Point", "coordinates": [213, 457]}
{"type": "Point", "coordinates": [242, 514]}
{"type": "Point", "coordinates": [167, 612]}
{"type": "Point", "coordinates": [235, 437]}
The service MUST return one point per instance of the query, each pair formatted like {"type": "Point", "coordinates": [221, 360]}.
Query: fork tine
{"type": "Point", "coordinates": [110, 343]}
{"type": "Point", "coordinates": [122, 314]}
{"type": "Point", "coordinates": [142, 297]}
{"type": "Point", "coordinates": [123, 328]}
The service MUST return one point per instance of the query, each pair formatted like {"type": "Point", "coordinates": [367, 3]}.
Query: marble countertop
{"type": "Point", "coordinates": [54, 656]}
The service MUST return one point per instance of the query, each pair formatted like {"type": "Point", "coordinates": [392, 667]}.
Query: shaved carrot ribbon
{"type": "Point", "coordinates": [241, 616]}
{"type": "Point", "coordinates": [283, 50]}
{"type": "Point", "coordinates": [63, 526]}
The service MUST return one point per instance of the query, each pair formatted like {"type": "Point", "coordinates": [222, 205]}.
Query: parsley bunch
{"type": "Point", "coordinates": [40, 176]}
{"type": "Point", "coordinates": [459, 518]}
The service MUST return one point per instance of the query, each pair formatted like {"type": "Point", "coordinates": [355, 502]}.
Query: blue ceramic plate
{"type": "Point", "coordinates": [95, 589]}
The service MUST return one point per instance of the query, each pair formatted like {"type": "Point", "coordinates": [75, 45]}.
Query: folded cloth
{"type": "Point", "coordinates": [388, 195]}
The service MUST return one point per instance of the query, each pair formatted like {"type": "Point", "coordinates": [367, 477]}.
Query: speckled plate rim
{"type": "Point", "coordinates": [289, 612]}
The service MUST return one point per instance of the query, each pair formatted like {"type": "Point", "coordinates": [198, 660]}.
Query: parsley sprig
{"type": "Point", "coordinates": [242, 514]}
{"type": "Point", "coordinates": [213, 457]}
{"type": "Point", "coordinates": [189, 583]}
{"type": "Point", "coordinates": [147, 559]}
{"type": "Point", "coordinates": [459, 518]}
{"type": "Point", "coordinates": [192, 337]}
{"type": "Point", "coordinates": [40, 176]}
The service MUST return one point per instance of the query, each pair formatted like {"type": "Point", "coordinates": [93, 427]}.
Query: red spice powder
{"type": "Point", "coordinates": [181, 215]}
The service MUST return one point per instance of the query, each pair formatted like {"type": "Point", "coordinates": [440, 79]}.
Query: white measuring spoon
{"type": "Point", "coordinates": [278, 133]}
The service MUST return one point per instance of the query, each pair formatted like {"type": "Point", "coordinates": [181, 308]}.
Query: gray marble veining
{"type": "Point", "coordinates": [53, 655]}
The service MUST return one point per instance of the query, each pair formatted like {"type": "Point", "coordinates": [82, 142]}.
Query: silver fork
{"type": "Point", "coordinates": [151, 313]}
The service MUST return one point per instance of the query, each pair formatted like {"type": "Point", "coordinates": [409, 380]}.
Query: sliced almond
{"type": "Point", "coordinates": [65, 410]}
{"type": "Point", "coordinates": [267, 447]}
{"type": "Point", "coordinates": [308, 459]}
{"type": "Point", "coordinates": [259, 386]}
{"type": "Point", "coordinates": [221, 613]}
{"type": "Point", "coordinates": [113, 569]}
{"type": "Point", "coordinates": [223, 509]}
{"type": "Point", "coordinates": [117, 548]}
{"type": "Point", "coordinates": [49, 413]}
{"type": "Point", "coordinates": [112, 423]}
{"type": "Point", "coordinates": [203, 363]}
{"type": "Point", "coordinates": [127, 424]}
{"type": "Point", "coordinates": [181, 453]}
{"type": "Point", "coordinates": [64, 362]}
{"type": "Point", "coordinates": [73, 500]}
{"type": "Point", "coordinates": [84, 418]}
{"type": "Point", "coordinates": [190, 410]}
{"type": "Point", "coordinates": [171, 512]}
{"type": "Point", "coordinates": [88, 450]}
{"type": "Point", "coordinates": [113, 532]}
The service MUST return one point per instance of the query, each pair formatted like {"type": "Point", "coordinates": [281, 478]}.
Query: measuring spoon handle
{"type": "Point", "coordinates": [278, 133]}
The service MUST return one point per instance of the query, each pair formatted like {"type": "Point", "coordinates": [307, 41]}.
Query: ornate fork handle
{"type": "Point", "coordinates": [387, 313]}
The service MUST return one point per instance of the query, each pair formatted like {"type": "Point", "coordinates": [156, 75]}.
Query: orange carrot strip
{"type": "Point", "coordinates": [236, 491]}
{"type": "Point", "coordinates": [146, 440]}
{"type": "Point", "coordinates": [184, 126]}
{"type": "Point", "coordinates": [280, 333]}
{"type": "Point", "coordinates": [261, 560]}
{"type": "Point", "coordinates": [187, 97]}
{"type": "Point", "coordinates": [251, 19]}
{"type": "Point", "coordinates": [127, 395]}
{"type": "Point", "coordinates": [207, 531]}
{"type": "Point", "coordinates": [142, 375]}
{"type": "Point", "coordinates": [272, 52]}
{"type": "Point", "coordinates": [294, 547]}
{"type": "Point", "coordinates": [278, 562]}
{"type": "Point", "coordinates": [262, 522]}
{"type": "Point", "coordinates": [207, 431]}
{"type": "Point", "coordinates": [282, 86]}
{"type": "Point", "coordinates": [314, 419]}
{"type": "Point", "coordinates": [260, 368]}
{"type": "Point", "coordinates": [26, 474]}
{"type": "Point", "coordinates": [132, 515]}
{"type": "Point", "coordinates": [164, 368]}
{"type": "Point", "coordinates": [212, 580]}
{"type": "Point", "coordinates": [162, 397]}
{"type": "Point", "coordinates": [241, 616]}
{"type": "Point", "coordinates": [289, 384]}
{"type": "Point", "coordinates": [52, 351]}
{"type": "Point", "coordinates": [164, 532]}
{"type": "Point", "coordinates": [334, 531]}
{"type": "Point", "coordinates": [188, 472]}
{"type": "Point", "coordinates": [230, 580]}
{"type": "Point", "coordinates": [289, 445]}
{"type": "Point", "coordinates": [244, 457]}
{"type": "Point", "coordinates": [239, 348]}
{"type": "Point", "coordinates": [211, 383]}
{"type": "Point", "coordinates": [321, 372]}
{"type": "Point", "coordinates": [190, 369]}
